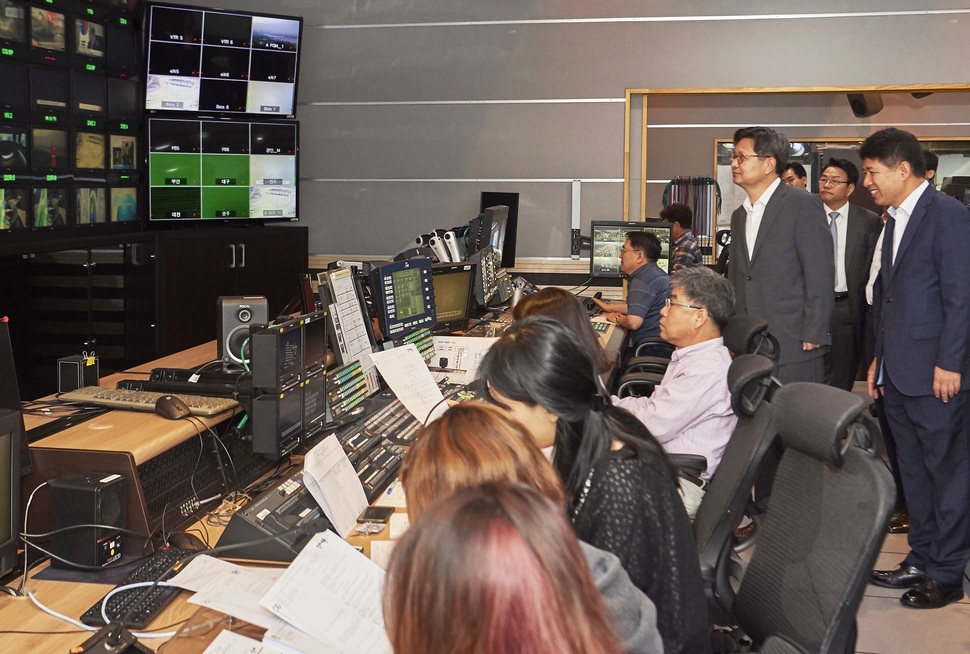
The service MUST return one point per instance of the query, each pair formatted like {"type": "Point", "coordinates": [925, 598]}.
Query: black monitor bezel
{"type": "Point", "coordinates": [243, 115]}
{"type": "Point", "coordinates": [442, 269]}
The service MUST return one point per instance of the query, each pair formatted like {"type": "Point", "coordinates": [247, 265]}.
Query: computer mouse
{"type": "Point", "coordinates": [186, 541]}
{"type": "Point", "coordinates": [171, 407]}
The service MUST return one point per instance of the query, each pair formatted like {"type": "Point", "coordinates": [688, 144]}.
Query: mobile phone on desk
{"type": "Point", "coordinates": [376, 514]}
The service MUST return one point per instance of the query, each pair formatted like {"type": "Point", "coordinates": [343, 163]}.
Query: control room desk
{"type": "Point", "coordinates": [115, 438]}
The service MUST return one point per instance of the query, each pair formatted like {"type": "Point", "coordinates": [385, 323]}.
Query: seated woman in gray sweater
{"type": "Point", "coordinates": [474, 443]}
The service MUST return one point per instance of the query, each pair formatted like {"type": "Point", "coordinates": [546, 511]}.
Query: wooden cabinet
{"type": "Point", "coordinates": [196, 267]}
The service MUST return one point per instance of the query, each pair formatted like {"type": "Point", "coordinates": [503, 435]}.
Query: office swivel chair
{"type": "Point", "coordinates": [743, 334]}
{"type": "Point", "coordinates": [751, 384]}
{"type": "Point", "coordinates": [829, 506]}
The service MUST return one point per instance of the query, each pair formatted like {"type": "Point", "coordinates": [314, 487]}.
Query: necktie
{"type": "Point", "coordinates": [834, 227]}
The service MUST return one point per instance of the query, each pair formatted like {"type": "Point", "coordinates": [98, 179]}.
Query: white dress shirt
{"type": "Point", "coordinates": [754, 215]}
{"type": "Point", "coordinates": [902, 213]}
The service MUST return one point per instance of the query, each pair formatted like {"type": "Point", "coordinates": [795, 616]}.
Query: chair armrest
{"type": "Point", "coordinates": [642, 382]}
{"type": "Point", "coordinates": [693, 464]}
{"type": "Point", "coordinates": [654, 345]}
{"type": "Point", "coordinates": [647, 364]}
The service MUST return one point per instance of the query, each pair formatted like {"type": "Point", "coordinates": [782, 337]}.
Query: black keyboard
{"type": "Point", "coordinates": [150, 570]}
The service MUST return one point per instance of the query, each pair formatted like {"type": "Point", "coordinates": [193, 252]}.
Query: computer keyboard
{"type": "Point", "coordinates": [153, 568]}
{"type": "Point", "coordinates": [119, 398]}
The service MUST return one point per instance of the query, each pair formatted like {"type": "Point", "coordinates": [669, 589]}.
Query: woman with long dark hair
{"type": "Point", "coordinates": [621, 488]}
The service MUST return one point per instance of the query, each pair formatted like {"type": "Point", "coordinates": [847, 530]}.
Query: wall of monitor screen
{"type": "Point", "coordinates": [118, 115]}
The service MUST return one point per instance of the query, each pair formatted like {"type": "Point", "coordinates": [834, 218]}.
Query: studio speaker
{"type": "Point", "coordinates": [88, 498]}
{"type": "Point", "coordinates": [236, 314]}
{"type": "Point", "coordinates": [865, 104]}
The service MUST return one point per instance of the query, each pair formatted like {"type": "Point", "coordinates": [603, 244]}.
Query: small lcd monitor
{"type": "Point", "coordinates": [124, 152]}
{"type": "Point", "coordinates": [52, 206]}
{"type": "Point", "coordinates": [277, 361]}
{"type": "Point", "coordinates": [90, 151]}
{"type": "Point", "coordinates": [510, 200]}
{"type": "Point", "coordinates": [89, 39]}
{"type": "Point", "coordinates": [13, 21]}
{"type": "Point", "coordinates": [16, 209]}
{"type": "Point", "coordinates": [403, 297]}
{"type": "Point", "coordinates": [16, 86]}
{"type": "Point", "coordinates": [454, 295]}
{"type": "Point", "coordinates": [607, 239]}
{"type": "Point", "coordinates": [90, 94]}
{"type": "Point", "coordinates": [124, 204]}
{"type": "Point", "coordinates": [314, 341]}
{"type": "Point", "coordinates": [89, 206]}
{"type": "Point", "coordinates": [50, 150]}
{"type": "Point", "coordinates": [48, 30]}
{"type": "Point", "coordinates": [121, 55]}
{"type": "Point", "coordinates": [13, 148]}
{"type": "Point", "coordinates": [50, 89]}
{"type": "Point", "coordinates": [123, 99]}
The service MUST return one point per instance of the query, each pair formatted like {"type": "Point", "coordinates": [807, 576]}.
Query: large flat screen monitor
{"type": "Point", "coordinates": [607, 238]}
{"type": "Point", "coordinates": [221, 171]}
{"type": "Point", "coordinates": [218, 61]}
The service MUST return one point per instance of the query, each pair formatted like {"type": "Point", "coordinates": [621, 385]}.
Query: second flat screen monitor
{"type": "Point", "coordinates": [212, 170]}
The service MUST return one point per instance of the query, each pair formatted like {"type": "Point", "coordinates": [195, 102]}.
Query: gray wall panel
{"type": "Point", "coordinates": [482, 141]}
{"type": "Point", "coordinates": [381, 218]}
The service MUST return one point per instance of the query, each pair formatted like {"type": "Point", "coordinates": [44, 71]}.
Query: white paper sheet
{"type": "Point", "coordinates": [380, 552]}
{"type": "Point", "coordinates": [230, 642]}
{"type": "Point", "coordinates": [293, 641]}
{"type": "Point", "coordinates": [353, 340]}
{"type": "Point", "coordinates": [393, 496]}
{"type": "Point", "coordinates": [230, 588]}
{"type": "Point", "coordinates": [461, 356]}
{"type": "Point", "coordinates": [333, 593]}
{"type": "Point", "coordinates": [333, 483]}
{"type": "Point", "coordinates": [399, 525]}
{"type": "Point", "coordinates": [406, 373]}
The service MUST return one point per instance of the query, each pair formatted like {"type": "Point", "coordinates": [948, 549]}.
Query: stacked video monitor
{"type": "Point", "coordinates": [220, 96]}
{"type": "Point", "coordinates": [70, 116]}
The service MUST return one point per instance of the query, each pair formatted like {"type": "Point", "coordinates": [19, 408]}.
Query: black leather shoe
{"type": "Point", "coordinates": [899, 523]}
{"type": "Point", "coordinates": [932, 594]}
{"type": "Point", "coordinates": [905, 576]}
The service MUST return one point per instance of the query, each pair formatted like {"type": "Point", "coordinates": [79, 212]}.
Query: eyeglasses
{"type": "Point", "coordinates": [670, 303]}
{"type": "Point", "coordinates": [825, 181]}
{"type": "Point", "coordinates": [622, 250]}
{"type": "Point", "coordinates": [741, 158]}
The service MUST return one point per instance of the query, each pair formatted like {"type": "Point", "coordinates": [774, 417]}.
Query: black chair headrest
{"type": "Point", "coordinates": [741, 331]}
{"type": "Point", "coordinates": [749, 380]}
{"type": "Point", "coordinates": [813, 418]}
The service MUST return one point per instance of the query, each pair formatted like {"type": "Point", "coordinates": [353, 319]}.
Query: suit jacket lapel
{"type": "Point", "coordinates": [919, 212]}
{"type": "Point", "coordinates": [772, 210]}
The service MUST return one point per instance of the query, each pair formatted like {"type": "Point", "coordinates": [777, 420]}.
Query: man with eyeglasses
{"type": "Point", "coordinates": [854, 231]}
{"type": "Point", "coordinates": [690, 411]}
{"type": "Point", "coordinates": [648, 287]}
{"type": "Point", "coordinates": [921, 313]}
{"type": "Point", "coordinates": [782, 262]}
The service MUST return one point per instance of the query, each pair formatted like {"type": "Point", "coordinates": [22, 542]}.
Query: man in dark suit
{"type": "Point", "coordinates": [854, 234]}
{"type": "Point", "coordinates": [782, 261]}
{"type": "Point", "coordinates": [921, 310]}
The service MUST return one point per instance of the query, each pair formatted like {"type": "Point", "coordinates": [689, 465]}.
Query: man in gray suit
{"type": "Point", "coordinates": [782, 261]}
{"type": "Point", "coordinates": [854, 230]}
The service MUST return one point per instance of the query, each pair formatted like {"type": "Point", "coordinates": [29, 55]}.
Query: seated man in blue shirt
{"type": "Point", "coordinates": [690, 411]}
{"type": "Point", "coordinates": [648, 288]}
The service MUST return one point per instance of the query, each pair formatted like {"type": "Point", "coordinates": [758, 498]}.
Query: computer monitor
{"type": "Point", "coordinates": [403, 297]}
{"type": "Point", "coordinates": [607, 238]}
{"type": "Point", "coordinates": [454, 294]}
{"type": "Point", "coordinates": [14, 457]}
{"type": "Point", "coordinates": [510, 200]}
